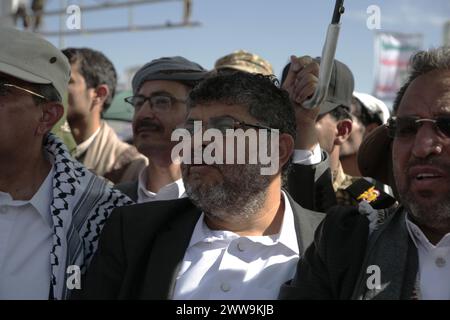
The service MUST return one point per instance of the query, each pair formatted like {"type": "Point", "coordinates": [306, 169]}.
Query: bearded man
{"type": "Point", "coordinates": [238, 235]}
{"type": "Point", "coordinates": [404, 252]}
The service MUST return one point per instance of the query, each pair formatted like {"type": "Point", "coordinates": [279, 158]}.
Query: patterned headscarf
{"type": "Point", "coordinates": [80, 206]}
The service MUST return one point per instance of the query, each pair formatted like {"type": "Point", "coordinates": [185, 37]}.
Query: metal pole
{"type": "Point", "coordinates": [327, 59]}
{"type": "Point", "coordinates": [63, 4]}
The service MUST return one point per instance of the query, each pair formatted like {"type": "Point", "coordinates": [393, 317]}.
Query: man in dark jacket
{"type": "Point", "coordinates": [238, 235]}
{"type": "Point", "coordinates": [403, 253]}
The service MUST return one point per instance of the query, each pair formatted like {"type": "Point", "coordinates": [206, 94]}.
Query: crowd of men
{"type": "Point", "coordinates": [352, 187]}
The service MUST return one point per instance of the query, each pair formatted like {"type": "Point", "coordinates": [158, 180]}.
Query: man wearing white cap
{"type": "Point", "coordinates": [51, 207]}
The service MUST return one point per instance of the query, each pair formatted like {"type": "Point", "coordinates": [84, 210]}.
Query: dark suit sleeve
{"type": "Point", "coordinates": [332, 263]}
{"type": "Point", "coordinates": [103, 278]}
{"type": "Point", "coordinates": [311, 186]}
{"type": "Point", "coordinates": [311, 280]}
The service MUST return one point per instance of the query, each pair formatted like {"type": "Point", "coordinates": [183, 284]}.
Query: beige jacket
{"type": "Point", "coordinates": [110, 157]}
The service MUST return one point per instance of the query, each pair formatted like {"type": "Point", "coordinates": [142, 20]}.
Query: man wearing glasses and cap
{"type": "Point", "coordinates": [404, 252]}
{"type": "Point", "coordinates": [51, 207]}
{"type": "Point", "coordinates": [160, 90]}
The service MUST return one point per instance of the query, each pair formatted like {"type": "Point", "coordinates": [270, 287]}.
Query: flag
{"type": "Point", "coordinates": [447, 34]}
{"type": "Point", "coordinates": [392, 54]}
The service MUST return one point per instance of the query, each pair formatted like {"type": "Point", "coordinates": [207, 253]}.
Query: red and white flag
{"type": "Point", "coordinates": [392, 54]}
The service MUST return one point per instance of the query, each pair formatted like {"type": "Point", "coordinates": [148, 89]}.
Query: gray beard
{"type": "Point", "coordinates": [436, 216]}
{"type": "Point", "coordinates": [241, 194]}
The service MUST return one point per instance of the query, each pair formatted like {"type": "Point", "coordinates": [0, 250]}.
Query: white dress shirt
{"type": "Point", "coordinates": [434, 264]}
{"type": "Point", "coordinates": [25, 244]}
{"type": "Point", "coordinates": [222, 265]}
{"type": "Point", "coordinates": [307, 157]}
{"type": "Point", "coordinates": [174, 190]}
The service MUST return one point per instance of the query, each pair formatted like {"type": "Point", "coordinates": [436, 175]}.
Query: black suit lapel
{"type": "Point", "coordinates": [134, 191]}
{"type": "Point", "coordinates": [306, 222]}
{"type": "Point", "coordinates": [166, 255]}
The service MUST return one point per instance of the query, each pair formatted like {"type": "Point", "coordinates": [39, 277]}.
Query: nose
{"type": "Point", "coordinates": [426, 142]}
{"type": "Point", "coordinates": [145, 111]}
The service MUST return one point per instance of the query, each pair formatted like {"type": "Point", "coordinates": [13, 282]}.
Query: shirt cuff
{"type": "Point", "coordinates": [307, 157]}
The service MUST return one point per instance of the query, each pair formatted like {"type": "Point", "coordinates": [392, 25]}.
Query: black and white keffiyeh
{"type": "Point", "coordinates": [80, 206]}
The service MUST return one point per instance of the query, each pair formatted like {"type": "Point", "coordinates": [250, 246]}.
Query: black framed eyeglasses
{"type": "Point", "coordinates": [158, 103]}
{"type": "Point", "coordinates": [400, 127]}
{"type": "Point", "coordinates": [4, 90]}
{"type": "Point", "coordinates": [223, 124]}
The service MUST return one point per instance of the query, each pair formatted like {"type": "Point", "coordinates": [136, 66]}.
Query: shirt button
{"type": "Point", "coordinates": [240, 246]}
{"type": "Point", "coordinates": [225, 287]}
{"type": "Point", "coordinates": [3, 210]}
{"type": "Point", "coordinates": [440, 262]}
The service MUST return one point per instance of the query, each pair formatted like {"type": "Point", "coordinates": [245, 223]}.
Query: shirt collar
{"type": "Point", "coordinates": [420, 239]}
{"type": "Point", "coordinates": [287, 235]}
{"type": "Point", "coordinates": [41, 200]}
{"type": "Point", "coordinates": [170, 191]}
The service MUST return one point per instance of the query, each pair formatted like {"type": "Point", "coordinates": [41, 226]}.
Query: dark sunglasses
{"type": "Point", "coordinates": [408, 126]}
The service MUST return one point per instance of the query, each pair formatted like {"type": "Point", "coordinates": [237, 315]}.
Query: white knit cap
{"type": "Point", "coordinates": [374, 106]}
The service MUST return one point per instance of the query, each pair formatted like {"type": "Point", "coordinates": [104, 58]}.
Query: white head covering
{"type": "Point", "coordinates": [374, 106]}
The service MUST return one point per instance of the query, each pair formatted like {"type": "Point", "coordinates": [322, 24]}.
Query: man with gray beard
{"type": "Point", "coordinates": [238, 235]}
{"type": "Point", "coordinates": [240, 194]}
{"type": "Point", "coordinates": [404, 252]}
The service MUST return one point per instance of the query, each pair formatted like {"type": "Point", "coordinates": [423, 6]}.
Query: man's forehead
{"type": "Point", "coordinates": [13, 80]}
{"type": "Point", "coordinates": [427, 95]}
{"type": "Point", "coordinates": [161, 85]}
{"type": "Point", "coordinates": [219, 109]}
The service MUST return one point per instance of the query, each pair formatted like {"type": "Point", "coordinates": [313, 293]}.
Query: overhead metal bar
{"type": "Point", "coordinates": [107, 5]}
{"type": "Point", "coordinates": [169, 25]}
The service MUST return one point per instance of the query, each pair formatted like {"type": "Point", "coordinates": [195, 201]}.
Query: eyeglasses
{"type": "Point", "coordinates": [223, 124]}
{"type": "Point", "coordinates": [408, 126]}
{"type": "Point", "coordinates": [158, 103]}
{"type": "Point", "coordinates": [4, 90]}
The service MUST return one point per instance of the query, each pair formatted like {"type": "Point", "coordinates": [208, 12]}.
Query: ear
{"type": "Point", "coordinates": [286, 148]}
{"type": "Point", "coordinates": [51, 113]}
{"type": "Point", "coordinates": [101, 94]}
{"type": "Point", "coordinates": [343, 128]}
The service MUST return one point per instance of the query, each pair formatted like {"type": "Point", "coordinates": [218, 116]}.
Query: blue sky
{"type": "Point", "coordinates": [274, 29]}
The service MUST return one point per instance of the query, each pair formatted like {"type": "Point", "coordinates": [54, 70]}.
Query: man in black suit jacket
{"type": "Point", "coordinates": [398, 253]}
{"type": "Point", "coordinates": [238, 235]}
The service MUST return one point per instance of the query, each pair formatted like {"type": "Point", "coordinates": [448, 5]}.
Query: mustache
{"type": "Point", "coordinates": [146, 123]}
{"type": "Point", "coordinates": [186, 166]}
{"type": "Point", "coordinates": [435, 162]}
